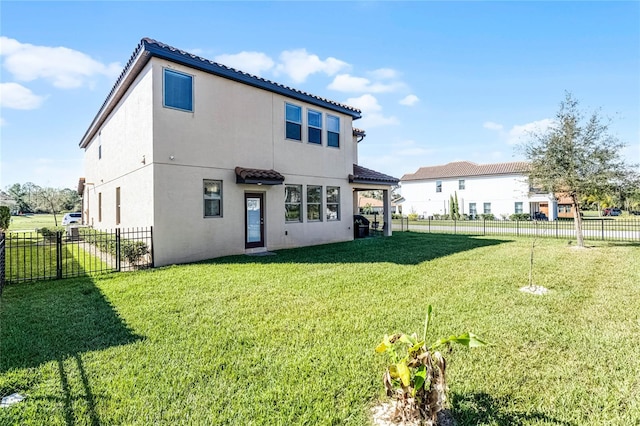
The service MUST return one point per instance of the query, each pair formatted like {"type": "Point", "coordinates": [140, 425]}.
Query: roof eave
{"type": "Point", "coordinates": [354, 179]}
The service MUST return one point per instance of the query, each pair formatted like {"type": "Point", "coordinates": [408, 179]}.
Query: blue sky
{"type": "Point", "coordinates": [437, 82]}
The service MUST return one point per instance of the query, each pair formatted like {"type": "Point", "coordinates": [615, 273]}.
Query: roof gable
{"type": "Point", "coordinates": [460, 169]}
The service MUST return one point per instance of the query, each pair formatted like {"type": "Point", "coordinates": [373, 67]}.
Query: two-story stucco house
{"type": "Point", "coordinates": [498, 189]}
{"type": "Point", "coordinates": [221, 162]}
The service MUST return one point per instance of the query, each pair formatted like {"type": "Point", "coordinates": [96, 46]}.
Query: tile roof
{"type": "Point", "coordinates": [267, 177]}
{"type": "Point", "coordinates": [466, 168]}
{"type": "Point", "coordinates": [364, 175]}
{"type": "Point", "coordinates": [148, 48]}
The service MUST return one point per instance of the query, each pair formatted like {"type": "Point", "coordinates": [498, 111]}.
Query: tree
{"type": "Point", "coordinates": [454, 210]}
{"type": "Point", "coordinates": [576, 156]}
{"type": "Point", "coordinates": [17, 192]}
{"type": "Point", "coordinates": [51, 200]}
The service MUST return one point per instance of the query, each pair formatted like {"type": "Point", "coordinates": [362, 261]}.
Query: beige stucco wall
{"type": "Point", "coordinates": [126, 139]}
{"type": "Point", "coordinates": [234, 124]}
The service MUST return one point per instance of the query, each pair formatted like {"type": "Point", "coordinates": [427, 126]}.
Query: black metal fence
{"type": "Point", "coordinates": [592, 229]}
{"type": "Point", "coordinates": [43, 255]}
{"type": "Point", "coordinates": [1, 262]}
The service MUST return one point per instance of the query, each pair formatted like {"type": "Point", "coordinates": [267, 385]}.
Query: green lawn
{"type": "Point", "coordinates": [290, 338]}
{"type": "Point", "coordinates": [33, 222]}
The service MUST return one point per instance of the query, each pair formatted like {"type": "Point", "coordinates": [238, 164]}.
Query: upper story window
{"type": "Point", "coordinates": [333, 131]}
{"type": "Point", "coordinates": [293, 117]}
{"type": "Point", "coordinates": [487, 208]}
{"type": "Point", "coordinates": [438, 186]}
{"type": "Point", "coordinates": [314, 126]}
{"type": "Point", "coordinates": [518, 207]}
{"type": "Point", "coordinates": [461, 184]}
{"type": "Point", "coordinates": [212, 198]}
{"type": "Point", "coordinates": [178, 90]}
{"type": "Point", "coordinates": [293, 203]}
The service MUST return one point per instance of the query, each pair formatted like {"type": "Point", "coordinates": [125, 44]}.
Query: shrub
{"type": "Point", "coordinates": [413, 216]}
{"type": "Point", "coordinates": [5, 217]}
{"type": "Point", "coordinates": [415, 377]}
{"type": "Point", "coordinates": [488, 216]}
{"type": "Point", "coordinates": [133, 250]}
{"type": "Point", "coordinates": [396, 216]}
{"type": "Point", "coordinates": [130, 250]}
{"type": "Point", "coordinates": [520, 216]}
{"type": "Point", "coordinates": [50, 233]}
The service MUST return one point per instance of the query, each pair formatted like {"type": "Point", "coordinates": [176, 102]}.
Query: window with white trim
{"type": "Point", "coordinates": [333, 203]}
{"type": "Point", "coordinates": [212, 198]}
{"type": "Point", "coordinates": [293, 203]}
{"type": "Point", "coordinates": [487, 208]}
{"type": "Point", "coordinates": [438, 186]}
{"type": "Point", "coordinates": [333, 131]}
{"type": "Point", "coordinates": [314, 127]}
{"type": "Point", "coordinates": [518, 207]}
{"type": "Point", "coordinates": [178, 90]}
{"type": "Point", "coordinates": [314, 203]}
{"type": "Point", "coordinates": [461, 184]}
{"type": "Point", "coordinates": [472, 209]}
{"type": "Point", "coordinates": [293, 122]}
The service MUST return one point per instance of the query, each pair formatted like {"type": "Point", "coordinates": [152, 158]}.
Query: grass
{"type": "Point", "coordinates": [33, 222]}
{"type": "Point", "coordinates": [289, 339]}
{"type": "Point", "coordinates": [31, 256]}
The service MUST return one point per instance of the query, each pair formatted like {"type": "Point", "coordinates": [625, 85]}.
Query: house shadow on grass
{"type": "Point", "coordinates": [482, 408]}
{"type": "Point", "coordinates": [406, 248]}
{"type": "Point", "coordinates": [57, 321]}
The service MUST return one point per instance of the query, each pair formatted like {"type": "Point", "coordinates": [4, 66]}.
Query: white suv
{"type": "Point", "coordinates": [70, 218]}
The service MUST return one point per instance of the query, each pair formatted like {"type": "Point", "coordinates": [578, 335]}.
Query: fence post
{"type": "Point", "coordinates": [151, 251]}
{"type": "Point", "coordinates": [518, 227]}
{"type": "Point", "coordinates": [59, 254]}
{"type": "Point", "coordinates": [602, 228]}
{"type": "Point", "coordinates": [429, 221]}
{"type": "Point", "coordinates": [484, 226]}
{"type": "Point", "coordinates": [117, 249]}
{"type": "Point", "coordinates": [454, 226]}
{"type": "Point", "coordinates": [2, 261]}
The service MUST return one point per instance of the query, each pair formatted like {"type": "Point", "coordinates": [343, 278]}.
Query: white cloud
{"type": "Point", "coordinates": [371, 112]}
{"type": "Point", "coordinates": [16, 96]}
{"type": "Point", "coordinates": [2, 121]}
{"type": "Point", "coordinates": [492, 126]}
{"type": "Point", "coordinates": [520, 132]}
{"type": "Point", "coordinates": [351, 84]}
{"type": "Point", "coordinates": [299, 64]}
{"type": "Point", "coordinates": [384, 74]}
{"type": "Point", "coordinates": [65, 68]}
{"type": "Point", "coordinates": [409, 100]}
{"type": "Point", "coordinates": [251, 62]}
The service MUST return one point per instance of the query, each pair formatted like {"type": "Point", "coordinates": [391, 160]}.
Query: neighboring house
{"type": "Point", "coordinates": [221, 162]}
{"type": "Point", "coordinates": [368, 205]}
{"type": "Point", "coordinates": [500, 189]}
{"type": "Point", "coordinates": [565, 206]}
